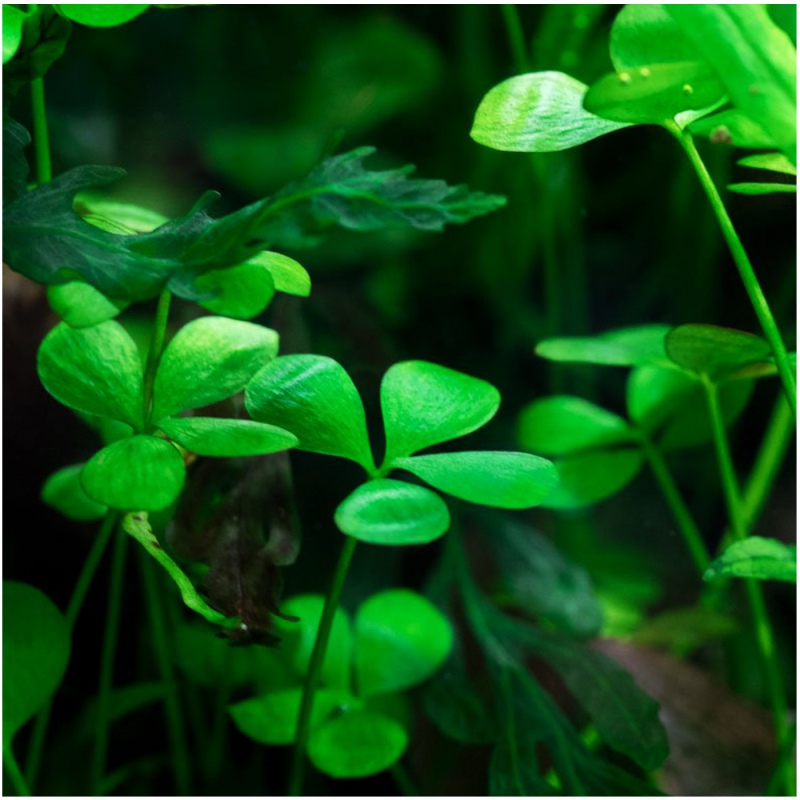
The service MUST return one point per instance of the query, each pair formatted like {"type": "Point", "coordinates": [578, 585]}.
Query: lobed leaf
{"type": "Point", "coordinates": [64, 492]}
{"type": "Point", "coordinates": [756, 557]}
{"type": "Point", "coordinates": [209, 436]}
{"type": "Point", "coordinates": [101, 15]}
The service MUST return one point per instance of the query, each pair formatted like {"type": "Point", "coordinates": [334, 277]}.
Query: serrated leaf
{"type": "Point", "coordinates": [762, 188]}
{"type": "Point", "coordinates": [15, 165]}
{"type": "Point", "coordinates": [756, 557]}
{"type": "Point", "coordinates": [13, 19]}
{"type": "Point", "coordinates": [537, 113]}
{"type": "Point", "coordinates": [210, 436]}
{"type": "Point", "coordinates": [401, 639]}
{"type": "Point", "coordinates": [209, 359]}
{"type": "Point", "coordinates": [36, 647]}
{"type": "Point", "coordinates": [424, 404]}
{"type": "Point", "coordinates": [314, 398]}
{"type": "Point", "coordinates": [561, 425]}
{"type": "Point", "coordinates": [81, 305]}
{"type": "Point", "coordinates": [102, 15]}
{"type": "Point", "coordinates": [97, 370]}
{"type": "Point", "coordinates": [64, 492]}
{"type": "Point", "coordinates": [139, 473]}
{"type": "Point", "coordinates": [356, 744]}
{"type": "Point", "coordinates": [775, 162]}
{"type": "Point", "coordinates": [394, 513]}
{"type": "Point", "coordinates": [500, 479]}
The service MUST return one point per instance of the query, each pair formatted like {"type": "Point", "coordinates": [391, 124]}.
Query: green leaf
{"type": "Point", "coordinates": [775, 162]}
{"type": "Point", "coordinates": [36, 647]}
{"type": "Point", "coordinates": [683, 630]}
{"type": "Point", "coordinates": [81, 305]}
{"type": "Point", "coordinates": [272, 718]}
{"type": "Point", "coordinates": [732, 126]}
{"type": "Point", "coordinates": [394, 513]}
{"type": "Point", "coordinates": [424, 404]}
{"type": "Point", "coordinates": [356, 744]}
{"type": "Point", "coordinates": [763, 188]}
{"type": "Point", "coordinates": [561, 425]}
{"type": "Point", "coordinates": [514, 770]}
{"type": "Point", "coordinates": [102, 15]}
{"type": "Point", "coordinates": [64, 492]}
{"type": "Point", "coordinates": [13, 19]}
{"type": "Point", "coordinates": [300, 637]}
{"type": "Point", "coordinates": [756, 557]}
{"type": "Point", "coordinates": [139, 473]}
{"type": "Point", "coordinates": [209, 436]}
{"type": "Point", "coordinates": [720, 354]}
{"type": "Point", "coordinates": [288, 275]}
{"type": "Point", "coordinates": [314, 398]}
{"type": "Point", "coordinates": [113, 215]}
{"type": "Point", "coordinates": [401, 639]}
{"type": "Point", "coordinates": [209, 359]}
{"type": "Point", "coordinates": [242, 292]}
{"type": "Point", "coordinates": [537, 113]}
{"type": "Point", "coordinates": [500, 479]}
{"type": "Point", "coordinates": [15, 165]}
{"type": "Point", "coordinates": [626, 347]}
{"type": "Point", "coordinates": [587, 478]}
{"type": "Point", "coordinates": [97, 370]}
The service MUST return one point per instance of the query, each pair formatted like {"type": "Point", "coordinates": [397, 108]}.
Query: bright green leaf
{"type": "Point", "coordinates": [500, 479]}
{"type": "Point", "coordinates": [314, 398]}
{"type": "Point", "coordinates": [775, 162]}
{"type": "Point", "coordinates": [97, 370]}
{"type": "Point", "coordinates": [424, 404]}
{"type": "Point", "coordinates": [356, 744]}
{"type": "Point", "coordinates": [288, 275]}
{"type": "Point", "coordinates": [81, 305]}
{"type": "Point", "coordinates": [763, 188]}
{"type": "Point", "coordinates": [537, 113]}
{"type": "Point", "coordinates": [241, 292]}
{"type": "Point", "coordinates": [36, 649]}
{"type": "Point", "coordinates": [208, 360]}
{"type": "Point", "coordinates": [99, 209]}
{"type": "Point", "coordinates": [64, 492]}
{"type": "Point", "coordinates": [102, 15]}
{"type": "Point", "coordinates": [756, 557]}
{"type": "Point", "coordinates": [560, 425]}
{"type": "Point", "coordinates": [401, 639]}
{"type": "Point", "coordinates": [209, 436]}
{"type": "Point", "coordinates": [732, 126]}
{"type": "Point", "coordinates": [13, 19]}
{"type": "Point", "coordinates": [394, 513]}
{"type": "Point", "coordinates": [139, 473]}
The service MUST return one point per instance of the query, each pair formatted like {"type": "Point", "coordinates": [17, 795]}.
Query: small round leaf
{"type": "Point", "coordinates": [102, 15]}
{"type": "Point", "coordinates": [12, 31]}
{"type": "Point", "coordinates": [64, 492]}
{"type": "Point", "coordinates": [242, 292]}
{"type": "Point", "coordinates": [80, 305]}
{"type": "Point", "coordinates": [288, 275]}
{"type": "Point", "coordinates": [209, 436]}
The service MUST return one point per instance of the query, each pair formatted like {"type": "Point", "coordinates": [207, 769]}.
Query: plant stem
{"type": "Point", "coordinates": [74, 606]}
{"type": "Point", "coordinates": [154, 353]}
{"type": "Point", "coordinates": [686, 524]}
{"type": "Point", "coordinates": [107, 660]}
{"type": "Point", "coordinates": [516, 37]}
{"type": "Point", "coordinates": [41, 139]}
{"type": "Point", "coordinates": [172, 707]}
{"type": "Point", "coordinates": [403, 780]}
{"type": "Point", "coordinates": [15, 773]}
{"type": "Point", "coordinates": [746, 271]}
{"type": "Point", "coordinates": [315, 666]}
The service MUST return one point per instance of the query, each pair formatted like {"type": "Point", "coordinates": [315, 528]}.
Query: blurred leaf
{"type": "Point", "coordinates": [401, 639]}
{"type": "Point", "coordinates": [122, 701]}
{"type": "Point", "coordinates": [775, 162]}
{"type": "Point", "coordinates": [756, 557]}
{"type": "Point", "coordinates": [36, 647]}
{"type": "Point", "coordinates": [626, 347]}
{"type": "Point", "coordinates": [15, 165]}
{"type": "Point", "coordinates": [356, 744]}
{"type": "Point", "coordinates": [785, 17]}
{"type": "Point", "coordinates": [314, 398]}
{"type": "Point", "coordinates": [101, 15]}
{"type": "Point", "coordinates": [537, 113]}
{"type": "Point", "coordinates": [561, 425]}
{"type": "Point", "coordinates": [732, 126]}
{"type": "Point", "coordinates": [13, 19]}
{"type": "Point", "coordinates": [394, 513]}
{"type": "Point", "coordinates": [685, 629]}
{"type": "Point", "coordinates": [209, 359]}
{"type": "Point", "coordinates": [500, 479]}
{"type": "Point", "coordinates": [97, 370]}
{"type": "Point", "coordinates": [515, 770]}
{"type": "Point", "coordinates": [80, 305]}
{"type": "Point", "coordinates": [209, 436]}
{"type": "Point", "coordinates": [763, 188]}
{"type": "Point", "coordinates": [424, 404]}
{"type": "Point", "coordinates": [64, 492]}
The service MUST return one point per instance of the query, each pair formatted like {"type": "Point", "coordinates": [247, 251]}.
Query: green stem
{"type": "Point", "coordinates": [686, 524]}
{"type": "Point", "coordinates": [746, 271]}
{"type": "Point", "coordinates": [154, 353]}
{"type": "Point", "coordinates": [110, 636]}
{"type": "Point", "coordinates": [403, 780]}
{"type": "Point", "coordinates": [15, 773]}
{"type": "Point", "coordinates": [41, 139]}
{"type": "Point", "coordinates": [315, 667]}
{"type": "Point", "coordinates": [74, 606]}
{"type": "Point", "coordinates": [172, 707]}
{"type": "Point", "coordinates": [516, 37]}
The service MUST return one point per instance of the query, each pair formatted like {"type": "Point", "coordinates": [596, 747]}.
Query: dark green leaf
{"type": "Point", "coordinates": [424, 404]}
{"type": "Point", "coordinates": [139, 473]}
{"type": "Point", "coordinates": [684, 629]}
{"type": "Point", "coordinates": [36, 649]}
{"type": "Point", "coordinates": [394, 513]}
{"type": "Point", "coordinates": [537, 113]}
{"type": "Point", "coordinates": [356, 744]}
{"type": "Point", "coordinates": [626, 347]}
{"type": "Point", "coordinates": [209, 359]}
{"type": "Point", "coordinates": [401, 639]}
{"type": "Point", "coordinates": [500, 479]}
{"type": "Point", "coordinates": [209, 436]}
{"type": "Point", "coordinates": [515, 769]}
{"type": "Point", "coordinates": [15, 165]}
{"type": "Point", "coordinates": [314, 398]}
{"type": "Point", "coordinates": [102, 15]}
{"type": "Point", "coordinates": [756, 557]}
{"type": "Point", "coordinates": [64, 492]}
{"type": "Point", "coordinates": [763, 188]}
{"type": "Point", "coordinates": [97, 370]}
{"type": "Point", "coordinates": [81, 305]}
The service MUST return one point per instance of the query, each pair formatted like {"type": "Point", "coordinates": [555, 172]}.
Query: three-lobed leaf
{"type": "Point", "coordinates": [756, 557]}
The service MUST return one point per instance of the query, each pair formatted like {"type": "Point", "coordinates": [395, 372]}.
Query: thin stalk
{"type": "Point", "coordinates": [755, 597]}
{"type": "Point", "coordinates": [680, 511]}
{"type": "Point", "coordinates": [41, 139]}
{"type": "Point", "coordinates": [110, 636]}
{"type": "Point", "coordinates": [154, 353]}
{"type": "Point", "coordinates": [315, 667]}
{"type": "Point", "coordinates": [74, 606]}
{"type": "Point", "coordinates": [403, 780]}
{"type": "Point", "coordinates": [516, 37]}
{"type": "Point", "coordinates": [15, 773]}
{"type": "Point", "coordinates": [746, 271]}
{"type": "Point", "coordinates": [172, 708]}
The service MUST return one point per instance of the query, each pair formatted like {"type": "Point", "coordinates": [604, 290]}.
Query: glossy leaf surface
{"type": "Point", "coordinates": [64, 492]}
{"type": "Point", "coordinates": [13, 19]}
{"type": "Point", "coordinates": [81, 305]}
{"type": "Point", "coordinates": [102, 15]}
{"type": "Point", "coordinates": [241, 292]}
{"type": "Point", "coordinates": [756, 557]}
{"type": "Point", "coordinates": [209, 436]}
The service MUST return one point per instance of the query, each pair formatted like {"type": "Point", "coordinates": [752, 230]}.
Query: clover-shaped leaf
{"type": "Point", "coordinates": [64, 491]}
{"type": "Point", "coordinates": [209, 436]}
